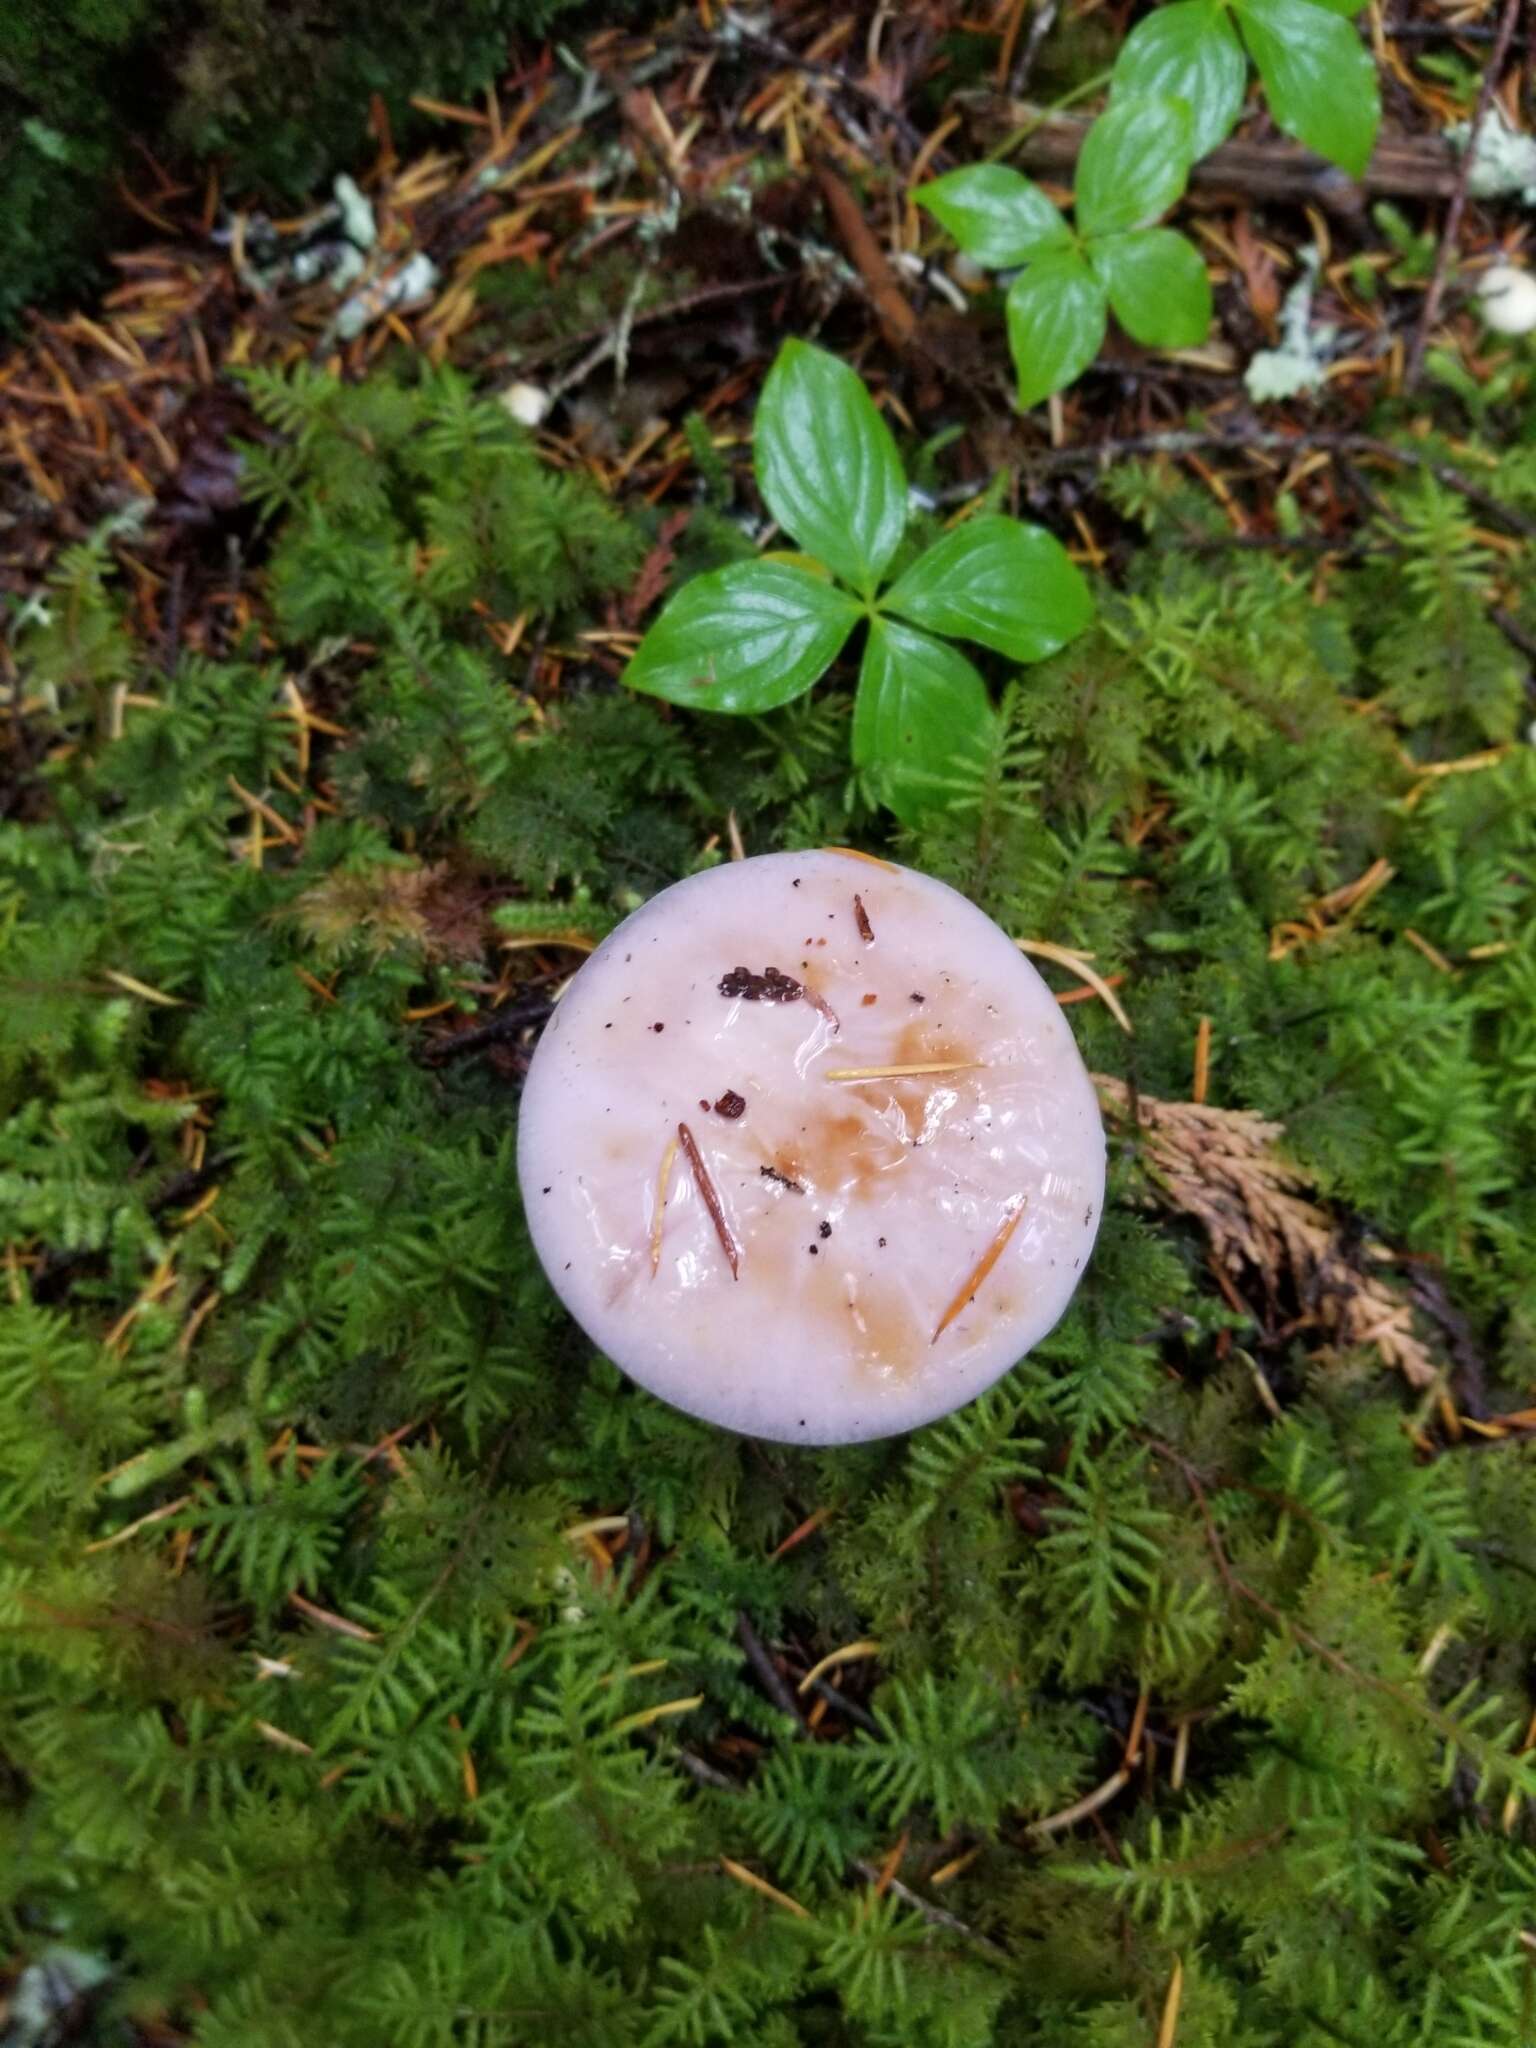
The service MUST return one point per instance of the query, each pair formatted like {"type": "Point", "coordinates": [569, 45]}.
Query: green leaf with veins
{"type": "Point", "coordinates": [919, 705]}
{"type": "Point", "coordinates": [1134, 162]}
{"type": "Point", "coordinates": [1056, 318]}
{"type": "Point", "coordinates": [1319, 76]}
{"type": "Point", "coordinates": [745, 638]}
{"type": "Point", "coordinates": [997, 581]}
{"type": "Point", "coordinates": [827, 465]}
{"type": "Point", "coordinates": [998, 216]}
{"type": "Point", "coordinates": [1188, 51]}
{"type": "Point", "coordinates": [1158, 286]}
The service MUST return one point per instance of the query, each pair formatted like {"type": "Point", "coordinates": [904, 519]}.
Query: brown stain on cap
{"type": "Point", "coordinates": [838, 1151]}
{"type": "Point", "coordinates": [865, 1321]}
{"type": "Point", "coordinates": [884, 1334]}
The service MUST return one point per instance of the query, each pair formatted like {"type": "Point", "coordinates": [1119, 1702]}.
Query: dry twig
{"type": "Point", "coordinates": [1401, 166]}
{"type": "Point", "coordinates": [1458, 205]}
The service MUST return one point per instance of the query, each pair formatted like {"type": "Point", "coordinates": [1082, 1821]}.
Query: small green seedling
{"type": "Point", "coordinates": [1133, 166]}
{"type": "Point", "coordinates": [752, 636]}
{"type": "Point", "coordinates": [1319, 77]}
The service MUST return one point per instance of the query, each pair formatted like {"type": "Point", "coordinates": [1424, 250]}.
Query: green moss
{"type": "Point", "coordinates": [459, 1819]}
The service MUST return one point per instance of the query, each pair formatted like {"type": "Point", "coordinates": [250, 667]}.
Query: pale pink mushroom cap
{"type": "Point", "coordinates": [861, 1213]}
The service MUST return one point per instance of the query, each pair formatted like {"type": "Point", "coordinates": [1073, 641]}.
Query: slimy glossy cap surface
{"type": "Point", "coordinates": [808, 1149]}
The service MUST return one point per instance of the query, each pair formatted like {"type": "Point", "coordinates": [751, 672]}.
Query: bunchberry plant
{"type": "Point", "coordinates": [1133, 166]}
{"type": "Point", "coordinates": [1319, 77]}
{"type": "Point", "coordinates": [754, 635]}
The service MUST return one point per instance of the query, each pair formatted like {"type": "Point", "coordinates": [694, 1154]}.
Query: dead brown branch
{"type": "Point", "coordinates": [1451, 231]}
{"type": "Point", "coordinates": [1401, 166]}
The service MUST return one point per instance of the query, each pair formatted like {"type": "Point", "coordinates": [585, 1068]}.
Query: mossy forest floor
{"type": "Point", "coordinates": [376, 1665]}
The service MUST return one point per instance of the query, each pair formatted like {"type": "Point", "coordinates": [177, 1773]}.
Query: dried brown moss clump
{"type": "Point", "coordinates": [1225, 1167]}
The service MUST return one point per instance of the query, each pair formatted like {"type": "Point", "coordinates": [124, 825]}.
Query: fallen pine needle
{"type": "Point", "coordinates": [600, 1525]}
{"type": "Point", "coordinates": [578, 942]}
{"type": "Point", "coordinates": [1069, 1816]}
{"type": "Point", "coordinates": [849, 1654]}
{"type": "Point", "coordinates": [1489, 758]}
{"type": "Point", "coordinates": [755, 1883]}
{"type": "Point", "coordinates": [1138, 1729]}
{"type": "Point", "coordinates": [337, 1623]}
{"type": "Point", "coordinates": [1180, 1755]}
{"type": "Point", "coordinates": [525, 1642]}
{"type": "Point", "coordinates": [1085, 994]}
{"type": "Point", "coordinates": [1431, 953]}
{"type": "Point", "coordinates": [898, 1073]}
{"type": "Point", "coordinates": [1432, 771]}
{"type": "Point", "coordinates": [1353, 894]}
{"type": "Point", "coordinates": [1170, 2020]}
{"type": "Point", "coordinates": [1202, 1061]}
{"type": "Point", "coordinates": [262, 809]}
{"type": "Point", "coordinates": [808, 1527]}
{"type": "Point", "coordinates": [200, 1207]}
{"type": "Point", "coordinates": [327, 995]}
{"type": "Point", "coordinates": [983, 1266]}
{"type": "Point", "coordinates": [1261, 1386]}
{"type": "Point", "coordinates": [171, 1507]}
{"type": "Point", "coordinates": [1078, 962]}
{"type": "Point", "coordinates": [1435, 1649]}
{"type": "Point", "coordinates": [280, 1739]}
{"type": "Point", "coordinates": [955, 1867]}
{"type": "Point", "coordinates": [135, 987]}
{"type": "Point", "coordinates": [853, 853]}
{"type": "Point", "coordinates": [646, 1669]}
{"type": "Point", "coordinates": [467, 1762]}
{"type": "Point", "coordinates": [195, 1322]}
{"type": "Point", "coordinates": [538, 159]}
{"type": "Point", "coordinates": [711, 1199]}
{"type": "Point", "coordinates": [647, 1715]}
{"type": "Point", "coordinates": [295, 708]}
{"type": "Point", "coordinates": [932, 144]}
{"type": "Point", "coordinates": [1339, 906]}
{"type": "Point", "coordinates": [1016, 14]}
{"type": "Point", "coordinates": [892, 1863]}
{"type": "Point", "coordinates": [658, 1220]}
{"type": "Point", "coordinates": [445, 111]}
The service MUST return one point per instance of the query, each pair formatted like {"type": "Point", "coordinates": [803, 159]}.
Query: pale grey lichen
{"type": "Point", "coordinates": [1504, 162]}
{"type": "Point", "coordinates": [46, 1998]}
{"type": "Point", "coordinates": [1300, 362]}
{"type": "Point", "coordinates": [416, 279]}
{"type": "Point", "coordinates": [357, 221]}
